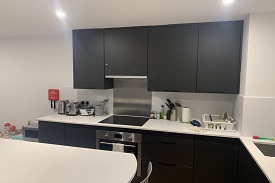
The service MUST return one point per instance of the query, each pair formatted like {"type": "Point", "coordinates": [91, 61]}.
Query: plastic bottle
{"type": "Point", "coordinates": [165, 115]}
{"type": "Point", "coordinates": [162, 112]}
{"type": "Point", "coordinates": [6, 130]}
{"type": "Point", "coordinates": [157, 115]}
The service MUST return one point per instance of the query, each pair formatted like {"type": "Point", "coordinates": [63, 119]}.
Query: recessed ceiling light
{"type": "Point", "coordinates": [228, 1]}
{"type": "Point", "coordinates": [60, 14]}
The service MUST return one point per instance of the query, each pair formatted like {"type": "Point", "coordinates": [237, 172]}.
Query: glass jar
{"type": "Point", "coordinates": [12, 130]}
{"type": "Point", "coordinates": [6, 130]}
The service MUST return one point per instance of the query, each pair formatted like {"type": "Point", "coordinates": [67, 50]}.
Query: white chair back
{"type": "Point", "coordinates": [149, 172]}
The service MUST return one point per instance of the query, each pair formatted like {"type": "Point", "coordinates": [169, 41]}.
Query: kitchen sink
{"type": "Point", "coordinates": [266, 149]}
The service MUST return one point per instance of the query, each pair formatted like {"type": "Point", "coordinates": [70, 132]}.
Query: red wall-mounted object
{"type": "Point", "coordinates": [53, 94]}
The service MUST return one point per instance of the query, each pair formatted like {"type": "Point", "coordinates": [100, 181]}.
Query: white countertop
{"type": "Point", "coordinates": [31, 162]}
{"type": "Point", "coordinates": [151, 124]}
{"type": "Point", "coordinates": [266, 163]}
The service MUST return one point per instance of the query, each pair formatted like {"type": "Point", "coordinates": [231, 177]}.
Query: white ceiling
{"type": "Point", "coordinates": [24, 18]}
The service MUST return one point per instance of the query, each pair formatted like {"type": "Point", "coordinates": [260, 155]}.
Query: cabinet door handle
{"type": "Point", "coordinates": [171, 90]}
{"type": "Point", "coordinates": [215, 92]}
{"type": "Point", "coordinates": [166, 164]}
{"type": "Point", "coordinates": [169, 143]}
{"type": "Point", "coordinates": [172, 165]}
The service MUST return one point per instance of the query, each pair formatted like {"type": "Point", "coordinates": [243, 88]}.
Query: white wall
{"type": "Point", "coordinates": [260, 76]}
{"type": "Point", "coordinates": [96, 96]}
{"type": "Point", "coordinates": [257, 98]}
{"type": "Point", "coordinates": [29, 66]}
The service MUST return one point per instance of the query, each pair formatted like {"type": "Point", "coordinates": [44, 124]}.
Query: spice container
{"type": "Point", "coordinates": [152, 114]}
{"type": "Point", "coordinates": [12, 130]}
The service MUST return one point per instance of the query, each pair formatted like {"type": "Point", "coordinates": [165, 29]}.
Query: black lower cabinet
{"type": "Point", "coordinates": [51, 133]}
{"type": "Point", "coordinates": [216, 160]}
{"type": "Point", "coordinates": [80, 136]}
{"type": "Point", "coordinates": [166, 173]}
{"type": "Point", "coordinates": [171, 156]}
{"type": "Point", "coordinates": [248, 169]}
{"type": "Point", "coordinates": [176, 158]}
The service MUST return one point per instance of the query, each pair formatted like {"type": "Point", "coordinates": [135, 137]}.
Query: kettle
{"type": "Point", "coordinates": [62, 106]}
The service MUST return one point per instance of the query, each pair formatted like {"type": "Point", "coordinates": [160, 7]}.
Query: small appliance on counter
{"type": "Point", "coordinates": [86, 109]}
{"type": "Point", "coordinates": [72, 109]}
{"type": "Point", "coordinates": [30, 132]}
{"type": "Point", "coordinates": [100, 108]}
{"type": "Point", "coordinates": [62, 106]}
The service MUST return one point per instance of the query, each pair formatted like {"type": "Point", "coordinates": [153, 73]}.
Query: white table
{"type": "Point", "coordinates": [30, 162]}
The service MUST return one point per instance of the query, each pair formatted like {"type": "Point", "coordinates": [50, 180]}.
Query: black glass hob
{"type": "Point", "coordinates": [125, 120]}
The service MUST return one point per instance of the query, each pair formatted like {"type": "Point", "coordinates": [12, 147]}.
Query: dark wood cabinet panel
{"type": "Point", "coordinates": [248, 169]}
{"type": "Point", "coordinates": [172, 58]}
{"type": "Point", "coordinates": [126, 51]}
{"type": "Point", "coordinates": [88, 60]}
{"type": "Point", "coordinates": [163, 173]}
{"type": "Point", "coordinates": [51, 133]}
{"type": "Point", "coordinates": [168, 152]}
{"type": "Point", "coordinates": [171, 155]}
{"type": "Point", "coordinates": [80, 136]}
{"type": "Point", "coordinates": [216, 160]}
{"type": "Point", "coordinates": [219, 55]}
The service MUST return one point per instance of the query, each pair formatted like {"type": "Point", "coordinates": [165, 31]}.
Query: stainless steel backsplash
{"type": "Point", "coordinates": [131, 97]}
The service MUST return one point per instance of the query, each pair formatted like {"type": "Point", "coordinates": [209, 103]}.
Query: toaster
{"type": "Point", "coordinates": [72, 109]}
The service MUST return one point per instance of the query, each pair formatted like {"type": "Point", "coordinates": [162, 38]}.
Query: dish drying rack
{"type": "Point", "coordinates": [213, 122]}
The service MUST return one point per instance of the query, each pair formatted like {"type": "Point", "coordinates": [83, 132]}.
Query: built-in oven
{"type": "Point", "coordinates": [105, 140]}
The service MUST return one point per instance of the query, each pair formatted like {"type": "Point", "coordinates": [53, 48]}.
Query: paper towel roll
{"type": "Point", "coordinates": [186, 114]}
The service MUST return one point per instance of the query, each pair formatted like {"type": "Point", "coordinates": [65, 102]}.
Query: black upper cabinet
{"type": "Point", "coordinates": [88, 59]}
{"type": "Point", "coordinates": [219, 55]}
{"type": "Point", "coordinates": [126, 51]}
{"type": "Point", "coordinates": [172, 58]}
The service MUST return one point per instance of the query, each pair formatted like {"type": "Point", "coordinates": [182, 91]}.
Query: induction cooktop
{"type": "Point", "coordinates": [125, 120]}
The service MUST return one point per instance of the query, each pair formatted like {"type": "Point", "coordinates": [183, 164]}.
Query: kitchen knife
{"type": "Point", "coordinates": [168, 105]}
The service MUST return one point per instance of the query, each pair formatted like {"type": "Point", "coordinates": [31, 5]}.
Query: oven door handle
{"type": "Point", "coordinates": [126, 145]}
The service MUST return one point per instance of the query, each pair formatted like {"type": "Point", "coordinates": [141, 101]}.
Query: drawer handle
{"type": "Point", "coordinates": [215, 92]}
{"type": "Point", "coordinates": [171, 90]}
{"type": "Point", "coordinates": [166, 164]}
{"type": "Point", "coordinates": [172, 165]}
{"type": "Point", "coordinates": [114, 143]}
{"type": "Point", "coordinates": [170, 143]}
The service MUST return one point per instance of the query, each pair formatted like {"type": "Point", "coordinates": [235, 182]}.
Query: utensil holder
{"type": "Point", "coordinates": [173, 115]}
